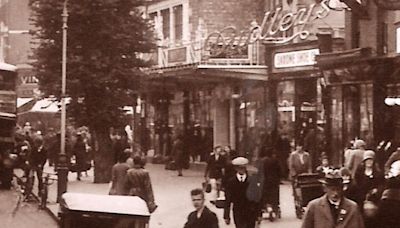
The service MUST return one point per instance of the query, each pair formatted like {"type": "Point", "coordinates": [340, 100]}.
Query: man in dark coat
{"type": "Point", "coordinates": [118, 176]}
{"type": "Point", "coordinates": [245, 212]}
{"type": "Point", "coordinates": [139, 184]}
{"type": "Point", "coordinates": [215, 170]}
{"type": "Point", "coordinates": [389, 209]}
{"type": "Point", "coordinates": [37, 159]}
{"type": "Point", "coordinates": [202, 217]}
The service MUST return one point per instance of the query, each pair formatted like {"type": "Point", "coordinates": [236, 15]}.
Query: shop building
{"type": "Point", "coordinates": [362, 81]}
{"type": "Point", "coordinates": [223, 89]}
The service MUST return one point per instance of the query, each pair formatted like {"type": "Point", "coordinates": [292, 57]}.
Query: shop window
{"type": "Point", "coordinates": [366, 113]}
{"type": "Point", "coordinates": [286, 109]}
{"type": "Point", "coordinates": [336, 119]}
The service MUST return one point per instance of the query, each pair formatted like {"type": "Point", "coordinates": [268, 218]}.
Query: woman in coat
{"type": "Point", "coordinates": [369, 182]}
{"type": "Point", "coordinates": [178, 154]}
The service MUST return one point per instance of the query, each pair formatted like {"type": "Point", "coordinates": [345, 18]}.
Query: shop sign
{"type": "Point", "coordinates": [295, 58]}
{"type": "Point", "coordinates": [177, 55]}
{"type": "Point", "coordinates": [269, 31]}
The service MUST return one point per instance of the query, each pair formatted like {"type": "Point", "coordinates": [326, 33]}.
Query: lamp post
{"type": "Point", "coordinates": [62, 168]}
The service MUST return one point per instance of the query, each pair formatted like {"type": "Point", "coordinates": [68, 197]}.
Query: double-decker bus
{"type": "Point", "coordinates": [8, 119]}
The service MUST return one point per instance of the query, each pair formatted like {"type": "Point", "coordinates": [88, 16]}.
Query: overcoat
{"type": "Point", "coordinates": [318, 215]}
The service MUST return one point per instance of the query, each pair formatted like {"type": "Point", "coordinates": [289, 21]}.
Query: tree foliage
{"type": "Point", "coordinates": [105, 40]}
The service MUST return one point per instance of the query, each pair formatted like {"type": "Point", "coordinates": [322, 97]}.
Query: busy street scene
{"type": "Point", "coordinates": [200, 113]}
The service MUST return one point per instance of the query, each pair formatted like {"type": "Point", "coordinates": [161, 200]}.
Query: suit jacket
{"type": "Point", "coordinates": [139, 184]}
{"type": "Point", "coordinates": [38, 156]}
{"type": "Point", "coordinates": [296, 166]}
{"type": "Point", "coordinates": [235, 194]}
{"type": "Point", "coordinates": [318, 215]}
{"type": "Point", "coordinates": [208, 219]}
{"type": "Point", "coordinates": [119, 179]}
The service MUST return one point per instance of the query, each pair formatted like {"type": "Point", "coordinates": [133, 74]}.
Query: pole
{"type": "Point", "coordinates": [62, 170]}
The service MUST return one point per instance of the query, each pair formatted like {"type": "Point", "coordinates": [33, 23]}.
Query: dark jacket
{"type": "Point", "coordinates": [214, 168]}
{"type": "Point", "coordinates": [236, 195]}
{"type": "Point", "coordinates": [38, 157]}
{"type": "Point", "coordinates": [364, 184]}
{"type": "Point", "coordinates": [389, 208]}
{"type": "Point", "coordinates": [208, 219]}
{"type": "Point", "coordinates": [139, 184]}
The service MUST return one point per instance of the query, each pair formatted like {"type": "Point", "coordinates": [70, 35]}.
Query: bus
{"type": "Point", "coordinates": [8, 120]}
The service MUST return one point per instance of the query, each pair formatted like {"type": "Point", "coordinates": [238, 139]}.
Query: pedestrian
{"type": "Point", "coordinates": [332, 209]}
{"type": "Point", "coordinates": [139, 183]}
{"type": "Point", "coordinates": [202, 217]}
{"type": "Point", "coordinates": [369, 179]}
{"type": "Point", "coordinates": [215, 170]}
{"type": "Point", "coordinates": [324, 167]}
{"type": "Point", "coordinates": [395, 156]}
{"type": "Point", "coordinates": [178, 153]}
{"type": "Point", "coordinates": [299, 162]}
{"type": "Point", "coordinates": [245, 212]}
{"type": "Point", "coordinates": [37, 159]}
{"type": "Point", "coordinates": [356, 156]}
{"type": "Point", "coordinates": [119, 176]}
{"type": "Point", "coordinates": [389, 208]}
{"type": "Point", "coordinates": [347, 152]}
{"type": "Point", "coordinates": [80, 156]}
{"type": "Point", "coordinates": [272, 179]}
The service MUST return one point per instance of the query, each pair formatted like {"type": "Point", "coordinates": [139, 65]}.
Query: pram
{"type": "Point", "coordinates": [306, 187]}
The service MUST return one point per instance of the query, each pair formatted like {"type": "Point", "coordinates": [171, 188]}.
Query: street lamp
{"type": "Point", "coordinates": [62, 167]}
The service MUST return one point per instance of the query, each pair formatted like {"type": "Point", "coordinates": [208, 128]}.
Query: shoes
{"type": "Point", "coordinates": [180, 174]}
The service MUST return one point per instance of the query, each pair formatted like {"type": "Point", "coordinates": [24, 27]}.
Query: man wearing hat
{"type": "Point", "coordinates": [332, 209]}
{"type": "Point", "coordinates": [245, 212]}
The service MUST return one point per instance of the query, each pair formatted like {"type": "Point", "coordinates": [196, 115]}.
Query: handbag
{"type": "Point", "coordinates": [370, 208]}
{"type": "Point", "coordinates": [206, 186]}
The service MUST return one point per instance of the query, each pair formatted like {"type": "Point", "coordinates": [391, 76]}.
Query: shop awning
{"type": "Point", "coordinates": [199, 73]}
{"type": "Point", "coordinates": [356, 65]}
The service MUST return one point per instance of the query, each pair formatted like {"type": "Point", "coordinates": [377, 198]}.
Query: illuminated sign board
{"type": "Point", "coordinates": [270, 30]}
{"type": "Point", "coordinates": [295, 58]}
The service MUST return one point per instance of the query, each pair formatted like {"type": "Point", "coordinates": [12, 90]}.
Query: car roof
{"type": "Point", "coordinates": [127, 205]}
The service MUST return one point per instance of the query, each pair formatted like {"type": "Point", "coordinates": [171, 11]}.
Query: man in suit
{"type": "Point", "coordinates": [215, 170]}
{"type": "Point", "coordinates": [37, 158]}
{"type": "Point", "coordinates": [202, 216]}
{"type": "Point", "coordinates": [333, 209]}
{"type": "Point", "coordinates": [245, 212]}
{"type": "Point", "coordinates": [139, 184]}
{"type": "Point", "coordinates": [119, 175]}
{"type": "Point", "coordinates": [299, 162]}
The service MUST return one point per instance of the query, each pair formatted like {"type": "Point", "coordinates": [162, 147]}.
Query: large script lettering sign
{"type": "Point", "coordinates": [229, 41]}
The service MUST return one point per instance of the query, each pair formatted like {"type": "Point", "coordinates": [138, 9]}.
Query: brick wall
{"type": "Point", "coordinates": [217, 14]}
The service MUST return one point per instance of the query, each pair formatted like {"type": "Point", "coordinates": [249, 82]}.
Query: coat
{"type": "Point", "coordinates": [318, 215]}
{"type": "Point", "coordinates": [389, 208]}
{"type": "Point", "coordinates": [235, 194]}
{"type": "Point", "coordinates": [215, 168]}
{"type": "Point", "coordinates": [296, 167]}
{"type": "Point", "coordinates": [355, 158]}
{"type": "Point", "coordinates": [119, 179]}
{"type": "Point", "coordinates": [139, 184]}
{"type": "Point", "coordinates": [38, 157]}
{"type": "Point", "coordinates": [207, 219]}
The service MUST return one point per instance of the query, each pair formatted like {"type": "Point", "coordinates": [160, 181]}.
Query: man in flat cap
{"type": "Point", "coordinates": [332, 209]}
{"type": "Point", "coordinates": [245, 212]}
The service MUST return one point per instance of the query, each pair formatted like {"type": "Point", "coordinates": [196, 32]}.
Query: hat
{"type": "Point", "coordinates": [395, 169]}
{"type": "Point", "coordinates": [240, 161]}
{"type": "Point", "coordinates": [369, 154]}
{"type": "Point", "coordinates": [332, 178]}
{"type": "Point", "coordinates": [359, 143]}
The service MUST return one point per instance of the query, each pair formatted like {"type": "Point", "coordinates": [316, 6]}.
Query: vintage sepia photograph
{"type": "Point", "coordinates": [200, 113]}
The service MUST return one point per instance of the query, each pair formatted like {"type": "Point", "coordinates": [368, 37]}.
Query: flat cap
{"type": "Point", "coordinates": [240, 161]}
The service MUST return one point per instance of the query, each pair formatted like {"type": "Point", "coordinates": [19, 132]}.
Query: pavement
{"type": "Point", "coordinates": [17, 214]}
{"type": "Point", "coordinates": [172, 194]}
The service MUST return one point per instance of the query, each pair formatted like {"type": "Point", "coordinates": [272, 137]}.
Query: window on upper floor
{"type": "Point", "coordinates": [178, 20]}
{"type": "Point", "coordinates": [165, 23]}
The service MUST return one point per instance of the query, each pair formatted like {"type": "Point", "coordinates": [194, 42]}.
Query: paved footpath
{"type": "Point", "coordinates": [172, 194]}
{"type": "Point", "coordinates": [22, 215]}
